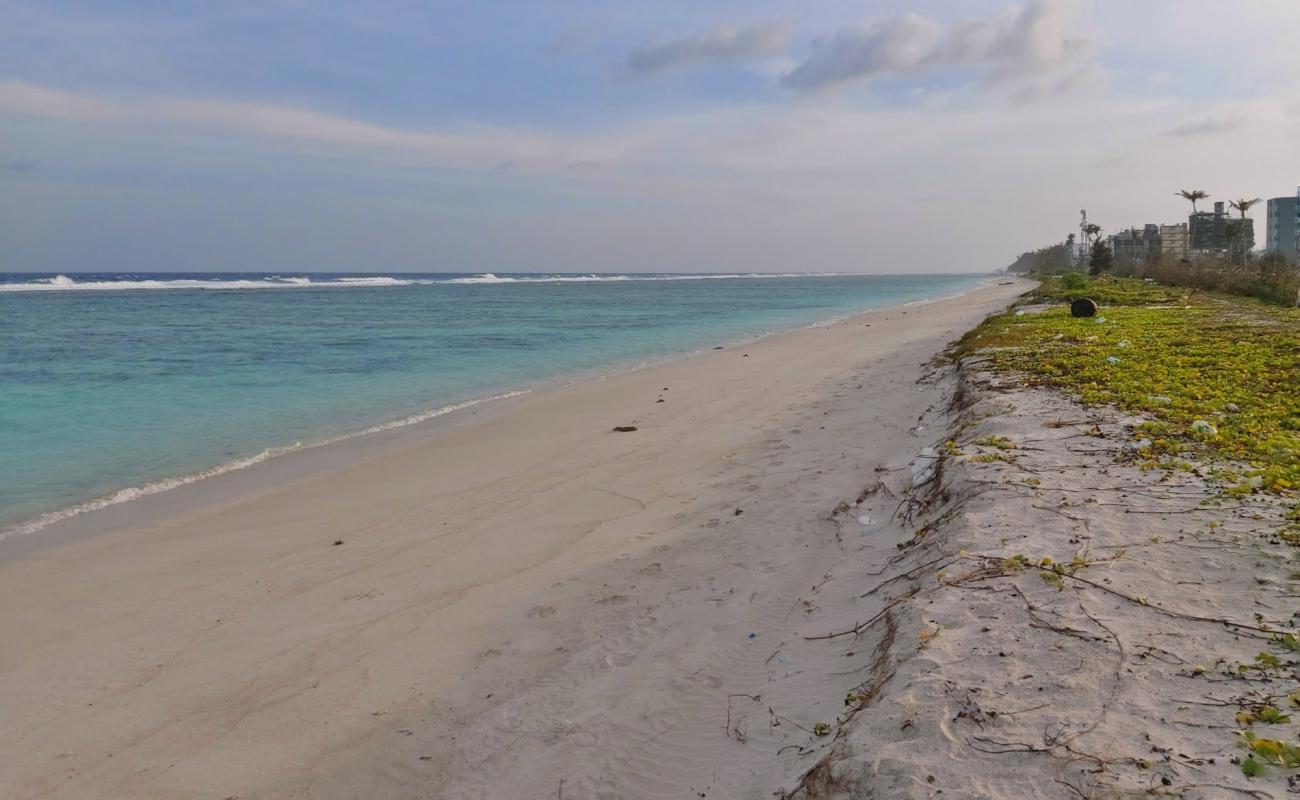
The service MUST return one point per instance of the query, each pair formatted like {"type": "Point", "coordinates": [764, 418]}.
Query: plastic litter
{"type": "Point", "coordinates": [924, 466]}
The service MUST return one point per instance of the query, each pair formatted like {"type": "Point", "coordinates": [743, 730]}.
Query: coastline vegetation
{"type": "Point", "coordinates": [1216, 375]}
{"type": "Point", "coordinates": [1269, 277]}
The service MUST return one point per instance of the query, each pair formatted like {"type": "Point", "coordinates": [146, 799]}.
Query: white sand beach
{"type": "Point", "coordinates": [526, 604]}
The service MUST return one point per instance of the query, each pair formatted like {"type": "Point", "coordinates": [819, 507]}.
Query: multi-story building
{"type": "Point", "coordinates": [1284, 226]}
{"type": "Point", "coordinates": [1173, 242]}
{"type": "Point", "coordinates": [1136, 245]}
{"type": "Point", "coordinates": [1208, 232]}
{"type": "Point", "coordinates": [1215, 233]}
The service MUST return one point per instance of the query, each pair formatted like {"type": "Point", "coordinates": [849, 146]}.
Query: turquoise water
{"type": "Point", "coordinates": [115, 381]}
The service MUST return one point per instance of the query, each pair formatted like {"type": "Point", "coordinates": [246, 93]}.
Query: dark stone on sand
{"type": "Point", "coordinates": [624, 428]}
{"type": "Point", "coordinates": [660, 400]}
{"type": "Point", "coordinates": [338, 542]}
{"type": "Point", "coordinates": [1083, 307]}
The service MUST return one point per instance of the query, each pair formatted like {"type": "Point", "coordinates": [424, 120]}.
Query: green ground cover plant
{"type": "Point", "coordinates": [1217, 375]}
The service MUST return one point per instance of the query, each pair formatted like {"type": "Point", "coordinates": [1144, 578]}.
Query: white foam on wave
{"type": "Point", "coordinates": [486, 277]}
{"type": "Point", "coordinates": [62, 283]}
{"type": "Point", "coordinates": [378, 280]}
{"type": "Point", "coordinates": [157, 487]}
{"type": "Point", "coordinates": [489, 277]}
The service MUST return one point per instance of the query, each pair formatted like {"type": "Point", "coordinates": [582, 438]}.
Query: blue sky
{"type": "Point", "coordinates": [577, 136]}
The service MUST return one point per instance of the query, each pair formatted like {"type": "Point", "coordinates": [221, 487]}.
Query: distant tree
{"type": "Point", "coordinates": [1051, 259]}
{"type": "Point", "coordinates": [1069, 248]}
{"type": "Point", "coordinates": [1101, 259]}
{"type": "Point", "coordinates": [1091, 234]}
{"type": "Point", "coordinates": [1193, 195]}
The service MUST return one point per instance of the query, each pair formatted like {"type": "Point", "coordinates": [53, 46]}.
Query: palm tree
{"type": "Point", "coordinates": [1238, 234]}
{"type": "Point", "coordinates": [1091, 230]}
{"type": "Point", "coordinates": [1193, 195]}
{"type": "Point", "coordinates": [1243, 205]}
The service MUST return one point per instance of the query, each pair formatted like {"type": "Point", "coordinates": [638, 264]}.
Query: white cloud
{"type": "Point", "coordinates": [1020, 43]}
{"type": "Point", "coordinates": [37, 101]}
{"type": "Point", "coordinates": [468, 146]}
{"type": "Point", "coordinates": [903, 44]}
{"type": "Point", "coordinates": [1208, 126]}
{"type": "Point", "coordinates": [719, 46]}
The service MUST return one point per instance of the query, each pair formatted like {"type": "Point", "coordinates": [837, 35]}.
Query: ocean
{"type": "Point", "coordinates": [113, 386]}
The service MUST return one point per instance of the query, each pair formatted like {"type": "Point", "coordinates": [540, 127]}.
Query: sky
{"type": "Point", "coordinates": [608, 136]}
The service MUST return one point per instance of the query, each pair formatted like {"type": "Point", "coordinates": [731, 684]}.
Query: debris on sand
{"type": "Point", "coordinates": [1083, 307]}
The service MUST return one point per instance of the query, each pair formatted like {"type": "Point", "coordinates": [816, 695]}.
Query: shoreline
{"type": "Point", "coordinates": [524, 602]}
{"type": "Point", "coordinates": [79, 518]}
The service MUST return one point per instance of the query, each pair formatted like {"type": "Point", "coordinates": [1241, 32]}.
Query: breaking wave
{"type": "Point", "coordinates": [488, 277]}
{"type": "Point", "coordinates": [64, 283]}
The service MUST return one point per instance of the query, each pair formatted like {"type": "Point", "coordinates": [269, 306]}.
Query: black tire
{"type": "Point", "coordinates": [1083, 307]}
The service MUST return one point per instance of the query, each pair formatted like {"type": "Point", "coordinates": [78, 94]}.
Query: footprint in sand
{"type": "Point", "coordinates": [541, 611]}
{"type": "Point", "coordinates": [705, 679]}
{"type": "Point", "coordinates": [612, 600]}
{"type": "Point", "coordinates": [651, 569]}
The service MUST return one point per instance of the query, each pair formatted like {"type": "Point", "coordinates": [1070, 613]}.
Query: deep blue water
{"type": "Point", "coordinates": [116, 381]}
